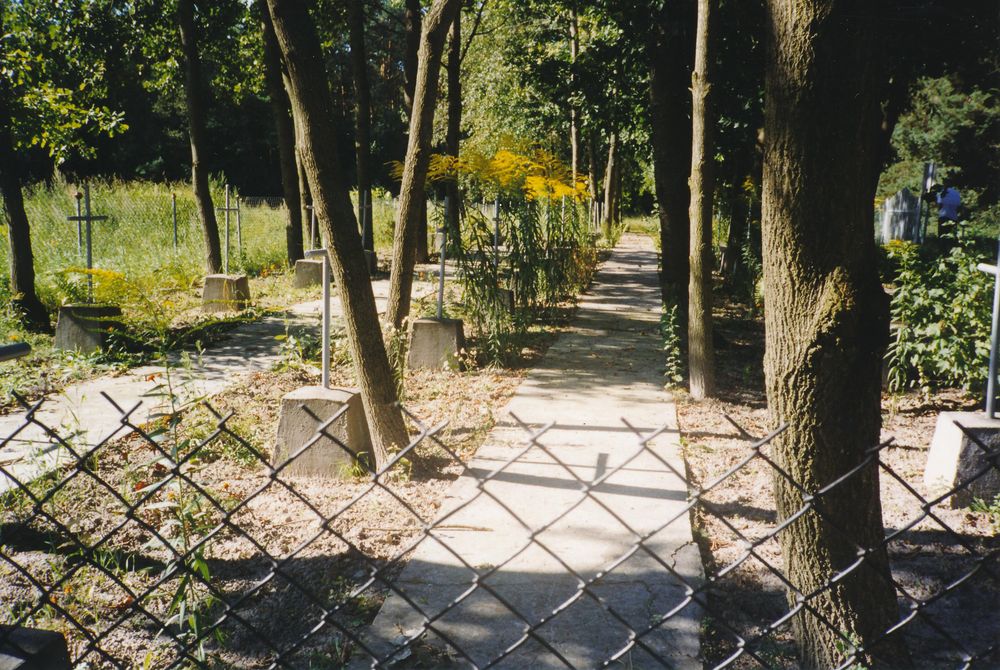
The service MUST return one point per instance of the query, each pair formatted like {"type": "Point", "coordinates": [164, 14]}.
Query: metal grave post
{"type": "Point", "coordinates": [87, 218]}
{"type": "Point", "coordinates": [991, 382]}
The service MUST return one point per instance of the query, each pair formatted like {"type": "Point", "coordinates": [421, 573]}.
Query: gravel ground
{"type": "Point", "coordinates": [925, 559]}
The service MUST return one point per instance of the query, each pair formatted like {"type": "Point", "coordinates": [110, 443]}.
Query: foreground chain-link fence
{"type": "Point", "coordinates": [176, 542]}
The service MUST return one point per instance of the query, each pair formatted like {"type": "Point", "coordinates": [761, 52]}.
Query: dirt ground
{"type": "Point", "coordinates": [272, 546]}
{"type": "Point", "coordinates": [926, 558]}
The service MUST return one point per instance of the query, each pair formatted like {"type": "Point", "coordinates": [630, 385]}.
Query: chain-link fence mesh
{"type": "Point", "coordinates": [177, 543]}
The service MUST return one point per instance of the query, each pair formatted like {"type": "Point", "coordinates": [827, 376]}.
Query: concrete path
{"type": "Point", "coordinates": [607, 368]}
{"type": "Point", "coordinates": [83, 415]}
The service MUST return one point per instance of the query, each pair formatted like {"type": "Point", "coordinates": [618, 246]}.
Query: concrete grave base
{"type": "Point", "coordinates": [85, 328]}
{"type": "Point", "coordinates": [225, 293]}
{"type": "Point", "coordinates": [308, 273]}
{"type": "Point", "coordinates": [298, 424]}
{"type": "Point", "coordinates": [436, 344]}
{"type": "Point", "coordinates": [371, 258]}
{"type": "Point", "coordinates": [33, 649]}
{"type": "Point", "coordinates": [954, 458]}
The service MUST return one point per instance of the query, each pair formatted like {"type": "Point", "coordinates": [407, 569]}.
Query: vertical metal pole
{"type": "Point", "coordinates": [79, 225]}
{"type": "Point", "coordinates": [226, 264]}
{"type": "Point", "coordinates": [90, 253]}
{"type": "Point", "coordinates": [326, 321]}
{"type": "Point", "coordinates": [239, 228]}
{"type": "Point", "coordinates": [365, 231]}
{"type": "Point", "coordinates": [173, 207]}
{"type": "Point", "coordinates": [991, 382]}
{"type": "Point", "coordinates": [443, 237]}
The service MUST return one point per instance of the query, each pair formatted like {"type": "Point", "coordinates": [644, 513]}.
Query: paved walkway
{"type": "Point", "coordinates": [608, 367]}
{"type": "Point", "coordinates": [83, 415]}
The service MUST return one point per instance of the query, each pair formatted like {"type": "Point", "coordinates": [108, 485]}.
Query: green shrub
{"type": "Point", "coordinates": [941, 315]}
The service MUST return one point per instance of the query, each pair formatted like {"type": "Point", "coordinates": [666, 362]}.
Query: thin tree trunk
{"type": "Point", "coordinates": [413, 19]}
{"type": "Point", "coordinates": [453, 137]}
{"type": "Point", "coordinates": [609, 185]}
{"type": "Point", "coordinates": [701, 357]}
{"type": "Point", "coordinates": [285, 130]}
{"type": "Point", "coordinates": [413, 25]}
{"type": "Point", "coordinates": [574, 131]}
{"type": "Point", "coordinates": [313, 108]}
{"type": "Point", "coordinates": [826, 318]}
{"type": "Point", "coordinates": [22, 264]}
{"type": "Point", "coordinates": [739, 221]}
{"type": "Point", "coordinates": [362, 121]}
{"type": "Point", "coordinates": [305, 197]}
{"type": "Point", "coordinates": [193, 89]}
{"type": "Point", "coordinates": [412, 195]}
{"type": "Point", "coordinates": [670, 54]}
{"type": "Point", "coordinates": [592, 177]}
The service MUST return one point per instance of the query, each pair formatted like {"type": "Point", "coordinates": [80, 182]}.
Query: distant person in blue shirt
{"type": "Point", "coordinates": [949, 202]}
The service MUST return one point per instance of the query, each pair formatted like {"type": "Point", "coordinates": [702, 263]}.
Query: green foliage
{"type": "Point", "coordinates": [941, 314]}
{"type": "Point", "coordinates": [670, 331]}
{"type": "Point", "coordinates": [990, 509]}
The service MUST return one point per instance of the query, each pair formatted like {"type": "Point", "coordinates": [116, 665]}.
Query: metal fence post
{"type": "Point", "coordinates": [173, 209]}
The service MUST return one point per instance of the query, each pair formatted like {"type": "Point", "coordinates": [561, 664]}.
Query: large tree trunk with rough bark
{"type": "Point", "coordinates": [22, 264]}
{"type": "Point", "coordinates": [827, 320]}
{"type": "Point", "coordinates": [195, 94]}
{"type": "Point", "coordinates": [453, 135]}
{"type": "Point", "coordinates": [285, 130]}
{"type": "Point", "coordinates": [362, 117]}
{"type": "Point", "coordinates": [412, 194]}
{"type": "Point", "coordinates": [701, 357]}
{"type": "Point", "coordinates": [313, 108]}
{"type": "Point", "coordinates": [670, 54]}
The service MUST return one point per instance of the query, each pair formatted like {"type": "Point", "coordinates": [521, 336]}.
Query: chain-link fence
{"type": "Point", "coordinates": [178, 543]}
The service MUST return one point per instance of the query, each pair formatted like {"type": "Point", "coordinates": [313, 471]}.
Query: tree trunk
{"type": "Point", "coordinates": [739, 221]}
{"type": "Point", "coordinates": [670, 54]}
{"type": "Point", "coordinates": [413, 22]}
{"type": "Point", "coordinates": [574, 131]}
{"type": "Point", "coordinates": [609, 185]}
{"type": "Point", "coordinates": [701, 357]}
{"type": "Point", "coordinates": [826, 319]}
{"type": "Point", "coordinates": [453, 137]}
{"type": "Point", "coordinates": [196, 130]}
{"type": "Point", "coordinates": [592, 177]}
{"type": "Point", "coordinates": [362, 121]}
{"type": "Point", "coordinates": [412, 196]}
{"type": "Point", "coordinates": [313, 108]}
{"type": "Point", "coordinates": [285, 129]}
{"type": "Point", "coordinates": [22, 263]}
{"type": "Point", "coordinates": [413, 19]}
{"type": "Point", "coordinates": [305, 198]}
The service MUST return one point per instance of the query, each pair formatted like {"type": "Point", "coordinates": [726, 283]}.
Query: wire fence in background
{"type": "Point", "coordinates": [179, 543]}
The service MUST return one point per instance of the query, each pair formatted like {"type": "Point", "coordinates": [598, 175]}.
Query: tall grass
{"type": "Point", "coordinates": [136, 241]}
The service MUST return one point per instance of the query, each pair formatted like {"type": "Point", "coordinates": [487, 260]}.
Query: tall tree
{"type": "Point", "coordinates": [285, 130]}
{"type": "Point", "coordinates": [362, 116]}
{"type": "Point", "coordinates": [574, 113]}
{"type": "Point", "coordinates": [453, 135]}
{"type": "Point", "coordinates": [670, 53]}
{"type": "Point", "coordinates": [22, 268]}
{"type": "Point", "coordinates": [313, 107]}
{"type": "Point", "coordinates": [412, 194]}
{"type": "Point", "coordinates": [826, 318]}
{"type": "Point", "coordinates": [701, 358]}
{"type": "Point", "coordinates": [196, 108]}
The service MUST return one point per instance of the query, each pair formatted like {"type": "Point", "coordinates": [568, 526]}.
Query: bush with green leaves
{"type": "Point", "coordinates": [941, 318]}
